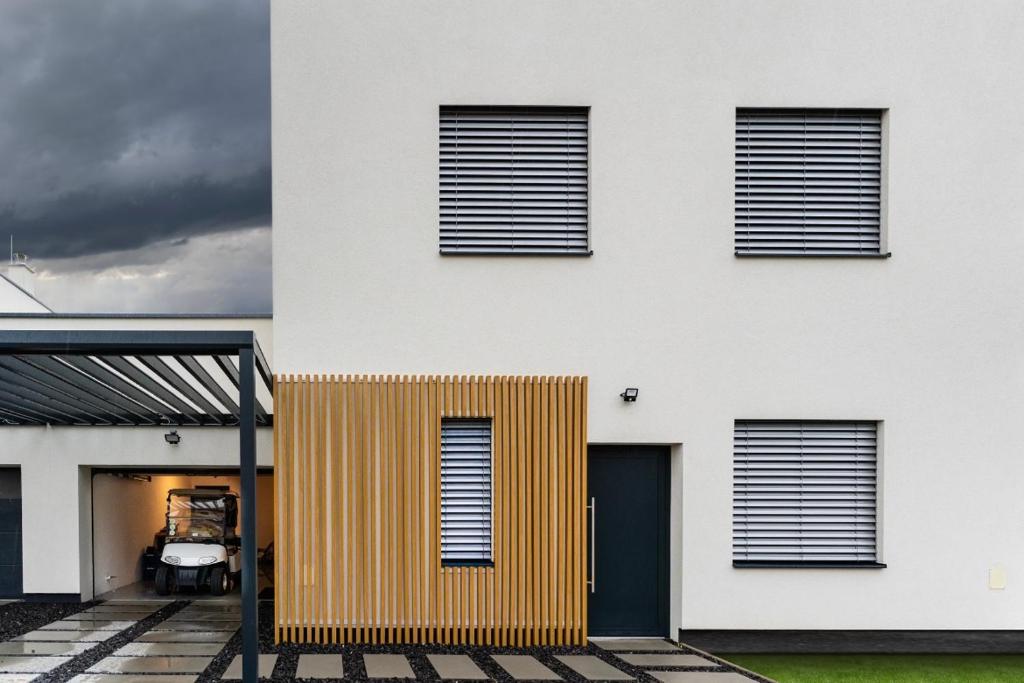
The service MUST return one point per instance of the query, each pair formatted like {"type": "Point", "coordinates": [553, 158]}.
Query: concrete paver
{"type": "Point", "coordinates": [28, 664]}
{"type": "Point", "coordinates": [634, 644]}
{"type": "Point", "coordinates": [319, 666]}
{"type": "Point", "coordinates": [593, 668]}
{"type": "Point", "coordinates": [170, 650]}
{"type": "Point", "coordinates": [525, 668]}
{"type": "Point", "coordinates": [699, 677]}
{"type": "Point", "coordinates": [68, 636]}
{"type": "Point", "coordinates": [13, 647]}
{"type": "Point", "coordinates": [456, 667]}
{"type": "Point", "coordinates": [121, 678]}
{"type": "Point", "coordinates": [197, 626]}
{"type": "Point", "coordinates": [666, 660]}
{"type": "Point", "coordinates": [265, 668]}
{"type": "Point", "coordinates": [146, 665]}
{"type": "Point", "coordinates": [109, 616]}
{"type": "Point", "coordinates": [387, 666]}
{"type": "Point", "coordinates": [98, 625]}
{"type": "Point", "coordinates": [185, 637]}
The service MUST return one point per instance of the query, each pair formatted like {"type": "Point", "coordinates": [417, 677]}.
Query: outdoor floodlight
{"type": "Point", "coordinates": [629, 395]}
{"type": "Point", "coordinates": [172, 437]}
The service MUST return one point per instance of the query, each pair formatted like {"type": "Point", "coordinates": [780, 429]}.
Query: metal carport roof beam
{"type": "Point", "coordinates": [232, 372]}
{"type": "Point", "coordinates": [129, 370]}
{"type": "Point", "coordinates": [91, 386]}
{"type": "Point", "coordinates": [164, 372]}
{"type": "Point", "coordinates": [96, 413]}
{"type": "Point", "coordinates": [209, 383]}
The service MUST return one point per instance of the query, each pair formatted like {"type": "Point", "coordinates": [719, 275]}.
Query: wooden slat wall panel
{"type": "Point", "coordinates": [358, 528]}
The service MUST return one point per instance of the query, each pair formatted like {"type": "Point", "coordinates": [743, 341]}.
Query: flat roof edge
{"type": "Point", "coordinates": [138, 316]}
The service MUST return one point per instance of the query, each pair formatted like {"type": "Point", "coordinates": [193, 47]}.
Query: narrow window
{"type": "Point", "coordinates": [804, 493]}
{"type": "Point", "coordinates": [465, 491]}
{"type": "Point", "coordinates": [808, 182]}
{"type": "Point", "coordinates": [514, 180]}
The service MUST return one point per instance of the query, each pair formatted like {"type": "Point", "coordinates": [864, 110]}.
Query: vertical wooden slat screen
{"type": "Point", "coordinates": [357, 462]}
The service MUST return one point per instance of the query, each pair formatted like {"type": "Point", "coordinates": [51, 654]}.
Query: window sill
{"type": "Point", "coordinates": [520, 254]}
{"type": "Point", "coordinates": [885, 255]}
{"type": "Point", "coordinates": [758, 564]}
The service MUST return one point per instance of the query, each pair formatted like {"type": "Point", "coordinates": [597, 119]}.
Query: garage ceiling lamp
{"type": "Point", "coordinates": [172, 437]}
{"type": "Point", "coordinates": [630, 394]}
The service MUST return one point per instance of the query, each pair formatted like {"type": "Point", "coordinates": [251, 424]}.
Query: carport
{"type": "Point", "coordinates": [147, 378]}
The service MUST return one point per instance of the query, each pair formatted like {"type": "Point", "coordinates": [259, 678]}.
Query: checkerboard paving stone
{"type": "Point", "coordinates": [265, 668]}
{"type": "Point", "coordinates": [666, 660]}
{"type": "Point", "coordinates": [387, 666]}
{"type": "Point", "coordinates": [634, 645]}
{"type": "Point", "coordinates": [170, 650]}
{"type": "Point", "coordinates": [525, 668]}
{"type": "Point", "coordinates": [456, 667]}
{"type": "Point", "coordinates": [593, 668]}
{"type": "Point", "coordinates": [185, 637]}
{"type": "Point", "coordinates": [29, 664]}
{"type": "Point", "coordinates": [319, 666]}
{"type": "Point", "coordinates": [36, 648]}
{"type": "Point", "coordinates": [121, 678]}
{"type": "Point", "coordinates": [148, 665]}
{"type": "Point", "coordinates": [699, 677]}
{"type": "Point", "coordinates": [67, 636]}
{"type": "Point", "coordinates": [99, 625]}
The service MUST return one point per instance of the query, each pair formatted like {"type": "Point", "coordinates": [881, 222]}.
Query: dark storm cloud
{"type": "Point", "coordinates": [130, 122]}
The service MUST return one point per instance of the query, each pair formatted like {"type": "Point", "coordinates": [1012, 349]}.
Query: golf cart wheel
{"type": "Point", "coordinates": [220, 581]}
{"type": "Point", "coordinates": [163, 580]}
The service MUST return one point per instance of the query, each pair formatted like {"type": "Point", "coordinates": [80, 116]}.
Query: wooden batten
{"type": "Point", "coordinates": [357, 463]}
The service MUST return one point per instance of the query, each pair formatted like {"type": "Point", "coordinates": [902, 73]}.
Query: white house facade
{"type": "Point", "coordinates": [793, 212]}
{"type": "Point", "coordinates": [758, 264]}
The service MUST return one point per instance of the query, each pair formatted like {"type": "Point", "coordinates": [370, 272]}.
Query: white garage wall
{"type": "Point", "coordinates": [55, 472]}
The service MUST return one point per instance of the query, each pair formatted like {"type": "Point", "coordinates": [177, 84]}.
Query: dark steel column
{"type": "Point", "coordinates": [247, 448]}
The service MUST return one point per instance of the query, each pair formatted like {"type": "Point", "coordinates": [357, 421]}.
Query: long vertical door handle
{"type": "Point", "coordinates": [593, 546]}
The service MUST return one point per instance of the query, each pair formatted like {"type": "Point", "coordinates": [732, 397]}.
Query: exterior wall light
{"type": "Point", "coordinates": [172, 437]}
{"type": "Point", "coordinates": [629, 395]}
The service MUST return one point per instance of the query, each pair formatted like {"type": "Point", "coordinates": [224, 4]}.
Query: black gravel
{"type": "Point", "coordinates": [18, 618]}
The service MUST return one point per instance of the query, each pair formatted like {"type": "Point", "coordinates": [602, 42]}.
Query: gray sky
{"type": "Point", "coordinates": [135, 148]}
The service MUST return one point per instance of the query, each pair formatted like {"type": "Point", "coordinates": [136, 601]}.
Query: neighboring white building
{"type": "Point", "coordinates": [923, 162]}
{"type": "Point", "coordinates": [17, 288]}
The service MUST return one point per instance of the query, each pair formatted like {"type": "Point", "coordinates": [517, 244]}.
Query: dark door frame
{"type": "Point", "coordinates": [664, 455]}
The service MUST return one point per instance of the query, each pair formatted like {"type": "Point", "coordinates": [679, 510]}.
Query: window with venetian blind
{"type": "Point", "coordinates": [804, 493]}
{"type": "Point", "coordinates": [513, 180]}
{"type": "Point", "coordinates": [808, 182]}
{"type": "Point", "coordinates": [466, 491]}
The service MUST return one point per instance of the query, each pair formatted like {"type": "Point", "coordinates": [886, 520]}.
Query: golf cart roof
{"type": "Point", "coordinates": [205, 493]}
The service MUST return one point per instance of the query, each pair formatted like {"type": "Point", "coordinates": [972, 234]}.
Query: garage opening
{"type": "Point", "coordinates": [131, 528]}
{"type": "Point", "coordinates": [10, 533]}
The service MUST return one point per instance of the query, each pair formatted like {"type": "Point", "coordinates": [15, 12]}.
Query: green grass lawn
{"type": "Point", "coordinates": [886, 668]}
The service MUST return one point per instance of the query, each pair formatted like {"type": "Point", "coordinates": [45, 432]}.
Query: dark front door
{"type": "Point", "coordinates": [10, 533]}
{"type": "Point", "coordinates": [629, 491]}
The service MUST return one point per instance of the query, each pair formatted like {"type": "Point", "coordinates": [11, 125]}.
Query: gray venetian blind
{"type": "Point", "coordinates": [465, 491]}
{"type": "Point", "coordinates": [804, 492]}
{"type": "Point", "coordinates": [808, 182]}
{"type": "Point", "coordinates": [514, 180]}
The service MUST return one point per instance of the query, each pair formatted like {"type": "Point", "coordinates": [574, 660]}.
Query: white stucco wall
{"type": "Point", "coordinates": [927, 341]}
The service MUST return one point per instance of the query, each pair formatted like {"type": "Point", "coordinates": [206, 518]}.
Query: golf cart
{"type": "Point", "coordinates": [201, 547]}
